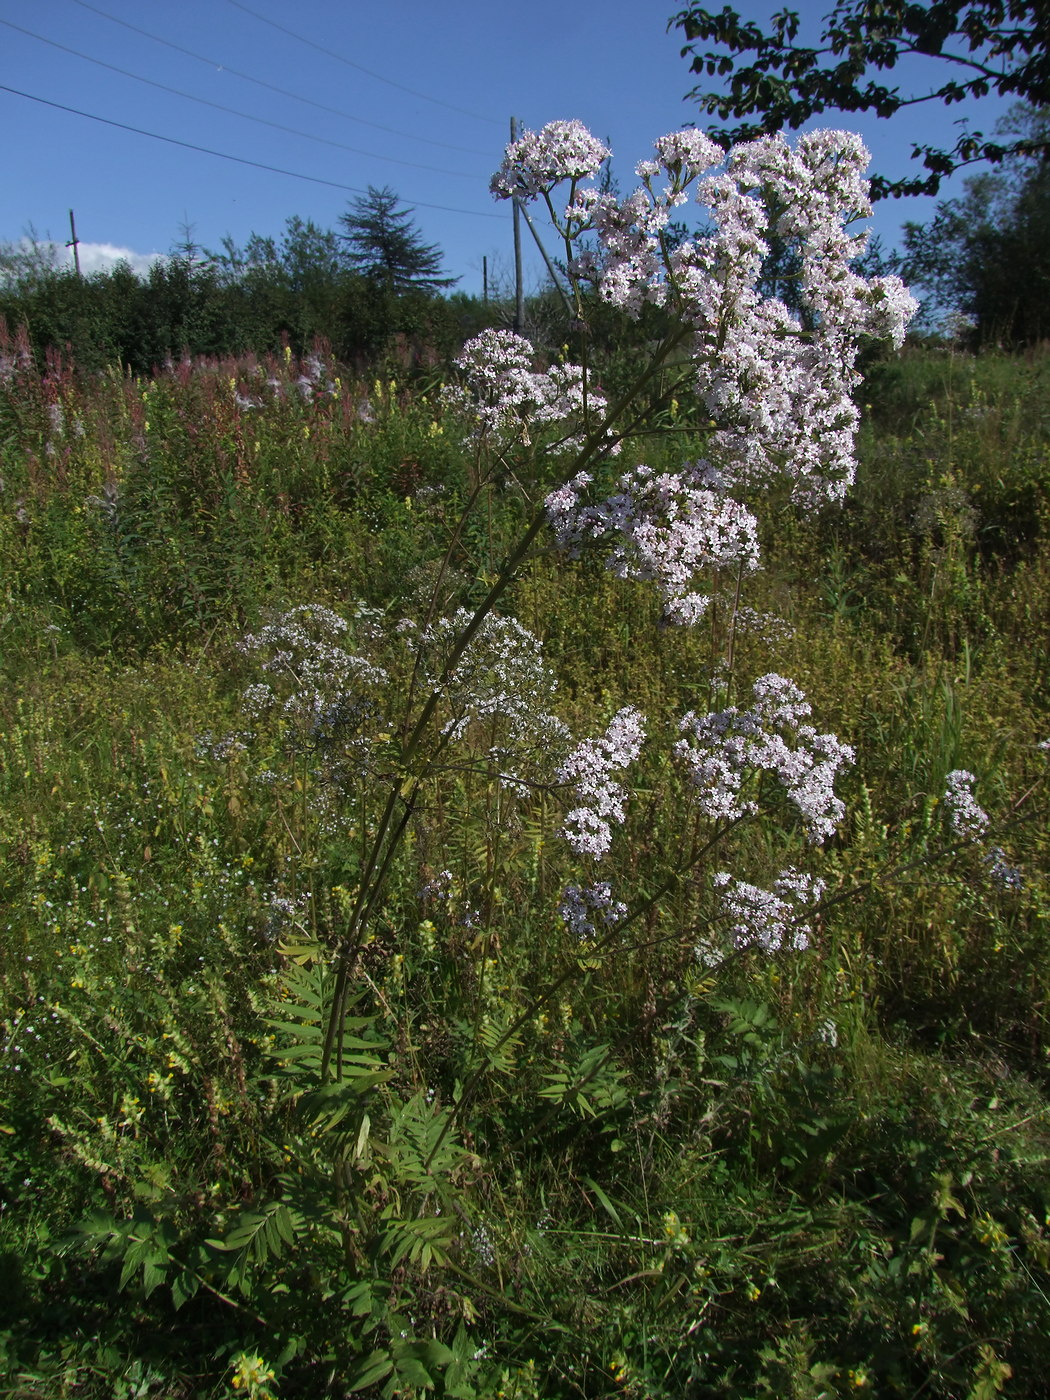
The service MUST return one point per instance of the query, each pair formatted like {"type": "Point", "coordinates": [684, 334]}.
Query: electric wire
{"type": "Point", "coordinates": [240, 160]}
{"type": "Point", "coordinates": [232, 111]}
{"type": "Point", "coordinates": [272, 87]}
{"type": "Point", "coordinates": [340, 58]}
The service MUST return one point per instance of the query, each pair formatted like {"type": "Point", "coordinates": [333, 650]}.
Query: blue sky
{"type": "Point", "coordinates": [413, 95]}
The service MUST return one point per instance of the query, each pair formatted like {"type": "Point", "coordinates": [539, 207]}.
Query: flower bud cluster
{"type": "Point", "coordinates": [1000, 870]}
{"type": "Point", "coordinates": [728, 747]}
{"type": "Point", "coordinates": [317, 683]}
{"type": "Point", "coordinates": [590, 768]}
{"type": "Point", "coordinates": [500, 686]}
{"type": "Point", "coordinates": [770, 919]}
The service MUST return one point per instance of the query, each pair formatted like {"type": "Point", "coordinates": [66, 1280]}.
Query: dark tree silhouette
{"type": "Point", "coordinates": [385, 245]}
{"type": "Point", "coordinates": [987, 253]}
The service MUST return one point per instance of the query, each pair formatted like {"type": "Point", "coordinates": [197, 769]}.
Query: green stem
{"type": "Point", "coordinates": [387, 839]}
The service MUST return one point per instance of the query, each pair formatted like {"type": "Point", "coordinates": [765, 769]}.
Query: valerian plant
{"type": "Point", "coordinates": [385, 716]}
{"type": "Point", "coordinates": [777, 387]}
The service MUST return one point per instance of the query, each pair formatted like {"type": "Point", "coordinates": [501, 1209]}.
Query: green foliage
{"type": "Point", "coordinates": [252, 1143]}
{"type": "Point", "coordinates": [986, 46]}
{"type": "Point", "coordinates": [291, 291]}
{"type": "Point", "coordinates": [984, 254]}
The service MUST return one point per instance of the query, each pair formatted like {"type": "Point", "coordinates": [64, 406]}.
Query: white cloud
{"type": "Point", "coordinates": [101, 257]}
{"type": "Point", "coordinates": [32, 253]}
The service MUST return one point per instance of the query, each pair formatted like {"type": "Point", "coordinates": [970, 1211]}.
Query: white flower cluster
{"type": "Point", "coordinates": [779, 384]}
{"type": "Point", "coordinates": [665, 528]}
{"type": "Point", "coordinates": [777, 381]}
{"type": "Point", "coordinates": [968, 821]}
{"type": "Point", "coordinates": [581, 904]}
{"type": "Point", "coordinates": [504, 397]}
{"type": "Point", "coordinates": [537, 161]}
{"type": "Point", "coordinates": [590, 768]}
{"type": "Point", "coordinates": [770, 919]}
{"type": "Point", "coordinates": [727, 747]}
{"type": "Point", "coordinates": [317, 683]}
{"type": "Point", "coordinates": [501, 682]}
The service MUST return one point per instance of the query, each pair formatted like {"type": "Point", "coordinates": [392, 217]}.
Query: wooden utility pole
{"type": "Point", "coordinates": [519, 290]}
{"type": "Point", "coordinates": [74, 243]}
{"type": "Point", "coordinates": [485, 277]}
{"type": "Point", "coordinates": [550, 266]}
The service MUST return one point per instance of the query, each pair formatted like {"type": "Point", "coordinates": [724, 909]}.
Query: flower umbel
{"type": "Point", "coordinates": [590, 767]}
{"type": "Point", "coordinates": [725, 748]}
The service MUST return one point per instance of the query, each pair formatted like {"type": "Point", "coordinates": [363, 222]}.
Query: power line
{"type": "Point", "coordinates": [218, 107]}
{"type": "Point", "coordinates": [272, 87]}
{"type": "Point", "coordinates": [240, 160]}
{"type": "Point", "coordinates": [351, 64]}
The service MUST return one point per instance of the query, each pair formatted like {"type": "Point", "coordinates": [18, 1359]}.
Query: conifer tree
{"type": "Point", "coordinates": [385, 245]}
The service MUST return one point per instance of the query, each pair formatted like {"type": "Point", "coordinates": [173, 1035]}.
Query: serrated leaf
{"type": "Point", "coordinates": [412, 1370]}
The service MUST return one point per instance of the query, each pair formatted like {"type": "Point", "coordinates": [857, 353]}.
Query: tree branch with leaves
{"type": "Point", "coordinates": [986, 46]}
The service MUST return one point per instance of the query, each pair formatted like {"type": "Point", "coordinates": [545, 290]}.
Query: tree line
{"type": "Point", "coordinates": [374, 286]}
{"type": "Point", "coordinates": [369, 286]}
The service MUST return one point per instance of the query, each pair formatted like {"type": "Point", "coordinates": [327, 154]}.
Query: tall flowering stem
{"type": "Point", "coordinates": [776, 381]}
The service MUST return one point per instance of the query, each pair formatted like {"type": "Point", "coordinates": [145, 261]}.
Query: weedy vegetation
{"type": "Point", "coordinates": [533, 882]}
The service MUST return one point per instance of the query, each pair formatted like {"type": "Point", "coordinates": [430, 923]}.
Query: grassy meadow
{"type": "Point", "coordinates": [641, 1160]}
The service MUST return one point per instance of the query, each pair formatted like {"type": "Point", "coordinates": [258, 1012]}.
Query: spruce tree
{"type": "Point", "coordinates": [385, 245]}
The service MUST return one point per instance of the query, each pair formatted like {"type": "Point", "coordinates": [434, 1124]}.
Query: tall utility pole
{"type": "Point", "coordinates": [519, 291]}
{"type": "Point", "coordinates": [74, 243]}
{"type": "Point", "coordinates": [552, 270]}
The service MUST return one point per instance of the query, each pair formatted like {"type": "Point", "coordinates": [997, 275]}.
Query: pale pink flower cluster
{"type": "Point", "coordinates": [628, 265]}
{"type": "Point", "coordinates": [777, 384]}
{"type": "Point", "coordinates": [970, 823]}
{"type": "Point", "coordinates": [689, 152]}
{"type": "Point", "coordinates": [590, 768]}
{"type": "Point", "coordinates": [537, 161]}
{"type": "Point", "coordinates": [582, 904]}
{"type": "Point", "coordinates": [504, 397]}
{"type": "Point", "coordinates": [727, 748]}
{"type": "Point", "coordinates": [967, 819]}
{"type": "Point", "coordinates": [770, 919]}
{"type": "Point", "coordinates": [780, 388]}
{"type": "Point", "coordinates": [665, 528]}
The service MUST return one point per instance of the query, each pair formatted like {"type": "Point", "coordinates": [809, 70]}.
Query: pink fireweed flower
{"type": "Point", "coordinates": [590, 768]}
